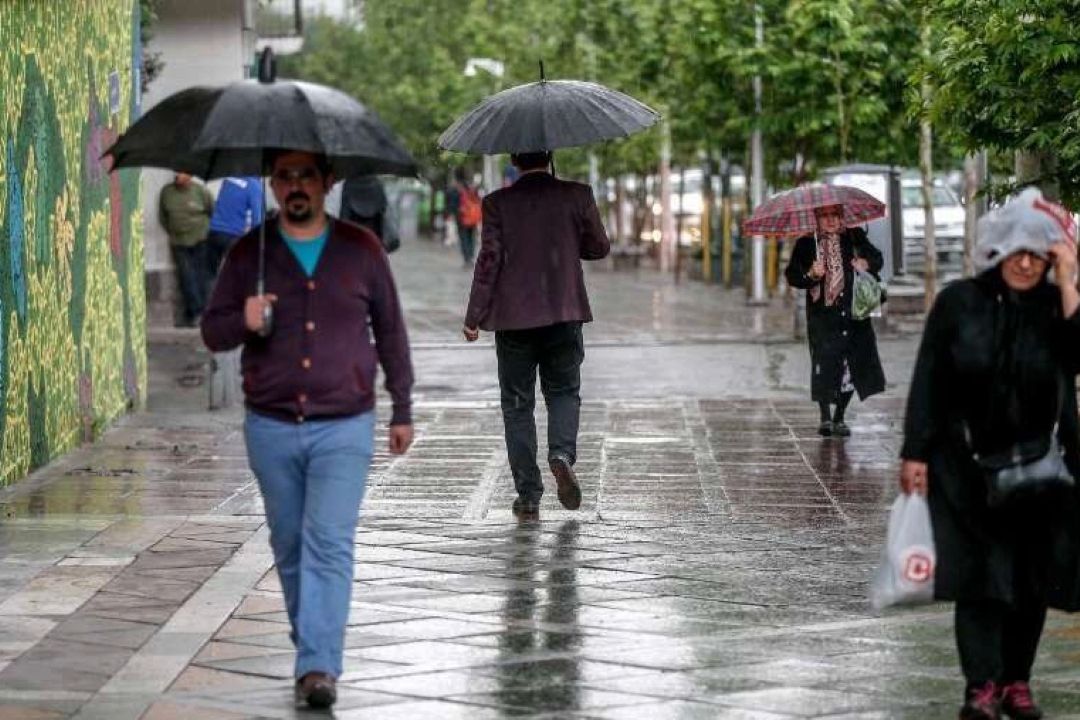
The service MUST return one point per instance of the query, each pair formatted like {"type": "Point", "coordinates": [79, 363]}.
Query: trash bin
{"type": "Point", "coordinates": [408, 207]}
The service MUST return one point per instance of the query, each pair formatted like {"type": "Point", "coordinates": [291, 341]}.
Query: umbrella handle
{"type": "Point", "coordinates": [267, 326]}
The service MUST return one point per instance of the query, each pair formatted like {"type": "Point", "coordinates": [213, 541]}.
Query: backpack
{"type": "Point", "coordinates": [469, 211]}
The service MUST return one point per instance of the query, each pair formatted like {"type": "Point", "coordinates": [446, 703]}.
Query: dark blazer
{"type": "Point", "coordinates": [834, 336]}
{"type": "Point", "coordinates": [1003, 364]}
{"type": "Point", "coordinates": [330, 330]}
{"type": "Point", "coordinates": [535, 235]}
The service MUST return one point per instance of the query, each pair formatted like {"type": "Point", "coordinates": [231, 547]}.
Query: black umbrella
{"type": "Point", "coordinates": [226, 131]}
{"type": "Point", "coordinates": [547, 115]}
{"type": "Point", "coordinates": [222, 132]}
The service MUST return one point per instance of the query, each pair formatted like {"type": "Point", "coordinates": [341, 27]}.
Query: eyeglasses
{"type": "Point", "coordinates": [1030, 255]}
{"type": "Point", "coordinates": [290, 175]}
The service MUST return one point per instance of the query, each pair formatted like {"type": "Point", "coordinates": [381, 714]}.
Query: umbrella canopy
{"type": "Point", "coordinates": [222, 132]}
{"type": "Point", "coordinates": [791, 213]}
{"type": "Point", "coordinates": [547, 115]}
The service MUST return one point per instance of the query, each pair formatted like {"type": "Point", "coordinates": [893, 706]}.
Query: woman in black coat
{"type": "Point", "coordinates": [996, 371]}
{"type": "Point", "coordinates": [843, 351]}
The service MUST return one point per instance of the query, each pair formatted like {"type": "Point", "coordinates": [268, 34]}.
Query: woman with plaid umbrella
{"type": "Point", "coordinates": [843, 350]}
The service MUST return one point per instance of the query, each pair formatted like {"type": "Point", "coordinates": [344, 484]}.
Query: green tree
{"type": "Point", "coordinates": [1008, 79]}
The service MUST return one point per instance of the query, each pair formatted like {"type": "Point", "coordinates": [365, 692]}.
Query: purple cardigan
{"type": "Point", "coordinates": [536, 233]}
{"type": "Point", "coordinates": [320, 360]}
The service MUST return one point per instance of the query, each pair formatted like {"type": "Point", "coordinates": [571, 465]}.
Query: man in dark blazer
{"type": "Point", "coordinates": [529, 288]}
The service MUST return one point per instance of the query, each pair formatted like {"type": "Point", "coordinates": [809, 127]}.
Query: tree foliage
{"type": "Point", "coordinates": [1008, 78]}
{"type": "Point", "coordinates": [841, 78]}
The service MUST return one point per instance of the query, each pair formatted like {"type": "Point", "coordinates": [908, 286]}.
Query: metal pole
{"type": "Point", "coordinates": [667, 218]}
{"type": "Point", "coordinates": [757, 183]}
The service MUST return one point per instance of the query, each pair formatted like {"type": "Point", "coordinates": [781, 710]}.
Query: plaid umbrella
{"type": "Point", "coordinates": [791, 213]}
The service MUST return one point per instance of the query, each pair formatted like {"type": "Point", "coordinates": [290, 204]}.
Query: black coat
{"type": "Point", "coordinates": [834, 336]}
{"type": "Point", "coordinates": [996, 368]}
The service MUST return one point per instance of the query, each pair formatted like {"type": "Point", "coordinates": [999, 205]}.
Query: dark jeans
{"type": "Point", "coordinates": [467, 239]}
{"type": "Point", "coordinates": [217, 246]}
{"type": "Point", "coordinates": [557, 350]}
{"type": "Point", "coordinates": [997, 642]}
{"type": "Point", "coordinates": [191, 275]}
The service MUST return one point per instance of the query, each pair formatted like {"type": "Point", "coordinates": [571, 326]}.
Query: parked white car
{"type": "Point", "coordinates": [948, 224]}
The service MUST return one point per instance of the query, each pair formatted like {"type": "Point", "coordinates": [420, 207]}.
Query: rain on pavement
{"type": "Point", "coordinates": [718, 567]}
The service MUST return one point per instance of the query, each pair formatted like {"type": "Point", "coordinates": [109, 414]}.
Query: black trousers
{"type": "Point", "coordinates": [557, 351]}
{"type": "Point", "coordinates": [191, 276]}
{"type": "Point", "coordinates": [217, 247]}
{"type": "Point", "coordinates": [997, 641]}
{"type": "Point", "coordinates": [467, 240]}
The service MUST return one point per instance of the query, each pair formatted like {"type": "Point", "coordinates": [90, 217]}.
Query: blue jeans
{"type": "Point", "coordinates": [312, 478]}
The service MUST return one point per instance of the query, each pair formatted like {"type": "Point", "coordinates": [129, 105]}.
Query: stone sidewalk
{"type": "Point", "coordinates": [717, 569]}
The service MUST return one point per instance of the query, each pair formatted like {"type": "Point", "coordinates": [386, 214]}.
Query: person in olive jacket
{"type": "Point", "coordinates": [996, 372]}
{"type": "Point", "coordinates": [843, 351]}
{"type": "Point", "coordinates": [184, 210]}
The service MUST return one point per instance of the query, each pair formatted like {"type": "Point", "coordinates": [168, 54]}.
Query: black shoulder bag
{"type": "Point", "coordinates": [1028, 468]}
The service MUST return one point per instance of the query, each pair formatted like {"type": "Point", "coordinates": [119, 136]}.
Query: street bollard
{"type": "Point", "coordinates": [224, 382]}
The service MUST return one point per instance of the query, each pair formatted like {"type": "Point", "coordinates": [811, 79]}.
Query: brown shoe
{"type": "Point", "coordinates": [317, 689]}
{"type": "Point", "coordinates": [566, 480]}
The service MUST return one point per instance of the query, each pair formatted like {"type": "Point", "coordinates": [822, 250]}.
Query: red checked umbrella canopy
{"type": "Point", "coordinates": [791, 213]}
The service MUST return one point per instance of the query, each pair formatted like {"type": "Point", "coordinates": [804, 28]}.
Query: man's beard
{"type": "Point", "coordinates": [301, 215]}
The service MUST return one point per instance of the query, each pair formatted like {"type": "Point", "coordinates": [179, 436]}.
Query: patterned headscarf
{"type": "Point", "coordinates": [828, 250]}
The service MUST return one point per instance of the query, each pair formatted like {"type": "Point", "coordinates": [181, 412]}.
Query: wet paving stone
{"type": "Point", "coordinates": [717, 569]}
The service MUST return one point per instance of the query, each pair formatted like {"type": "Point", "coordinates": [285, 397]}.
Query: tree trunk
{"type": "Point", "coordinates": [971, 211]}
{"type": "Point", "coordinates": [619, 209]}
{"type": "Point", "coordinates": [926, 168]}
{"type": "Point", "coordinates": [1037, 168]}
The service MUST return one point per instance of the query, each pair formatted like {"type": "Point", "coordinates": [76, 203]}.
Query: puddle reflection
{"type": "Point", "coordinates": [539, 665]}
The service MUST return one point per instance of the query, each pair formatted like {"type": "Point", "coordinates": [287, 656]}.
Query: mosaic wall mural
{"type": "Point", "coordinates": [72, 306]}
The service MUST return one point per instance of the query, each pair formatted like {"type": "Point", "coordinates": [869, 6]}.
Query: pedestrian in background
{"type": "Point", "coordinates": [184, 208]}
{"type": "Point", "coordinates": [364, 202]}
{"type": "Point", "coordinates": [843, 351]}
{"type": "Point", "coordinates": [529, 288]}
{"type": "Point", "coordinates": [239, 208]}
{"type": "Point", "coordinates": [464, 209]}
{"type": "Point", "coordinates": [310, 396]}
{"type": "Point", "coordinates": [996, 375]}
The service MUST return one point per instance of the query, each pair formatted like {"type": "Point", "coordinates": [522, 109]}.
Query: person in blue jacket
{"type": "Point", "coordinates": [239, 207]}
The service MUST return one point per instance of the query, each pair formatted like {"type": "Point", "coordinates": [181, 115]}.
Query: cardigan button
{"type": "Point", "coordinates": [310, 284]}
{"type": "Point", "coordinates": [301, 398]}
{"type": "Point", "coordinates": [309, 326]}
{"type": "Point", "coordinates": [306, 363]}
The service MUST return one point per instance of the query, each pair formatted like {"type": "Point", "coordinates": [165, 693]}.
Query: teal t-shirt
{"type": "Point", "coordinates": [307, 252]}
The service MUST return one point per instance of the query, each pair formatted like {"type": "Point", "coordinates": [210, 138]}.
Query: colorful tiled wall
{"type": "Point", "coordinates": [72, 307]}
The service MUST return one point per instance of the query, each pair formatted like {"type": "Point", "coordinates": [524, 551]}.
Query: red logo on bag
{"type": "Point", "coordinates": [918, 565]}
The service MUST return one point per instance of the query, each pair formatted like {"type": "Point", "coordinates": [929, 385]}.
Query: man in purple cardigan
{"type": "Point", "coordinates": [310, 395]}
{"type": "Point", "coordinates": [529, 288]}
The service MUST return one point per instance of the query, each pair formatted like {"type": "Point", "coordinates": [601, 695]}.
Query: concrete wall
{"type": "Point", "coordinates": [202, 42]}
{"type": "Point", "coordinates": [72, 312]}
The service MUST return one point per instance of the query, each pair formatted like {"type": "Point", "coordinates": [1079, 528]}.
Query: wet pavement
{"type": "Point", "coordinates": [718, 566]}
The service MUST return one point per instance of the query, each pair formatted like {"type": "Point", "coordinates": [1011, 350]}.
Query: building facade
{"type": "Point", "coordinates": [200, 42]}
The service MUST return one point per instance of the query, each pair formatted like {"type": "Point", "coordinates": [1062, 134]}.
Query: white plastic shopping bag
{"type": "Point", "coordinates": [906, 574]}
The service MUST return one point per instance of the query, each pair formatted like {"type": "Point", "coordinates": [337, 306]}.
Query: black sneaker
{"type": "Point", "coordinates": [981, 703]}
{"type": "Point", "coordinates": [825, 428]}
{"type": "Point", "coordinates": [840, 429]}
{"type": "Point", "coordinates": [566, 480]}
{"type": "Point", "coordinates": [526, 509]}
{"type": "Point", "coordinates": [317, 689]}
